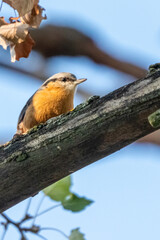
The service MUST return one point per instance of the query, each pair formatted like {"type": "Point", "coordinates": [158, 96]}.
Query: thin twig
{"type": "Point", "coordinates": [28, 205]}
{"type": "Point", "coordinates": [26, 218]}
{"type": "Point", "coordinates": [55, 229]}
{"type": "Point", "coordinates": [39, 235]}
{"type": "Point", "coordinates": [33, 229]}
{"type": "Point", "coordinates": [4, 216]}
{"type": "Point", "coordinates": [26, 215]}
{"type": "Point", "coordinates": [40, 77]}
{"type": "Point", "coordinates": [48, 209]}
{"type": "Point", "coordinates": [17, 225]}
{"type": "Point", "coordinates": [9, 220]}
{"type": "Point", "coordinates": [23, 237]}
{"type": "Point", "coordinates": [40, 203]}
{"type": "Point", "coordinates": [22, 71]}
{"type": "Point", "coordinates": [4, 233]}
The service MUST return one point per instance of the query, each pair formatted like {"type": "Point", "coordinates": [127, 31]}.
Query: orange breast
{"type": "Point", "coordinates": [48, 103]}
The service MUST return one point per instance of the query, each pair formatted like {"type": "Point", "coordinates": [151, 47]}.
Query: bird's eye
{"type": "Point", "coordinates": [64, 79]}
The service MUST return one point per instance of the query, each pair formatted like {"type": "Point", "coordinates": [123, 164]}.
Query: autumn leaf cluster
{"type": "Point", "coordinates": [15, 34]}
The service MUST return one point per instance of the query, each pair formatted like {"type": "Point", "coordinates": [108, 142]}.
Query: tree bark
{"type": "Point", "coordinates": [70, 142]}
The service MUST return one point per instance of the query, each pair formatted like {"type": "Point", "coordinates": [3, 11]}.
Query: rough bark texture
{"type": "Point", "coordinates": [69, 142]}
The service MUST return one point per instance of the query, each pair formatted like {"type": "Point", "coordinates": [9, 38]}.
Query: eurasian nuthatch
{"type": "Point", "coordinates": [53, 98]}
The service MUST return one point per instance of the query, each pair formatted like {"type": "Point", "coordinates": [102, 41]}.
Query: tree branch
{"type": "Point", "coordinates": [38, 77]}
{"type": "Point", "coordinates": [70, 142]}
{"type": "Point", "coordinates": [69, 41]}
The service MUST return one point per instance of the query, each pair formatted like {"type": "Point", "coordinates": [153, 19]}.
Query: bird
{"type": "Point", "coordinates": [53, 98]}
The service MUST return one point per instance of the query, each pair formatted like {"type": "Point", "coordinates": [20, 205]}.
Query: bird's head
{"type": "Point", "coordinates": [64, 80]}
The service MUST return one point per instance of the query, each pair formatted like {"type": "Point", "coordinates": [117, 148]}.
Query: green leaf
{"type": "Point", "coordinates": [76, 235]}
{"type": "Point", "coordinates": [75, 203]}
{"type": "Point", "coordinates": [59, 190]}
{"type": "Point", "coordinates": [154, 119]}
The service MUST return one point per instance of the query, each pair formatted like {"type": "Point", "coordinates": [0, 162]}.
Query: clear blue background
{"type": "Point", "coordinates": [125, 185]}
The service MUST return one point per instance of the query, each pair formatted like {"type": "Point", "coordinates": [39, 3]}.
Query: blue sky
{"type": "Point", "coordinates": [125, 185]}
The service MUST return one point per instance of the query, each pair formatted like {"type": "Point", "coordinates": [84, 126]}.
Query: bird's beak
{"type": "Point", "coordinates": [78, 81]}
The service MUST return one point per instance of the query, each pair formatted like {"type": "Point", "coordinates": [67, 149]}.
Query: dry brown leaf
{"type": "Point", "coordinates": [16, 36]}
{"type": "Point", "coordinates": [22, 6]}
{"type": "Point", "coordinates": [16, 33]}
{"type": "Point", "coordinates": [34, 17]}
{"type": "Point", "coordinates": [23, 49]}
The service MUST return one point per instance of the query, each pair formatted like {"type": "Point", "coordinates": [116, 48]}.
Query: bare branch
{"type": "Point", "coordinates": [37, 210]}
{"type": "Point", "coordinates": [22, 71]}
{"type": "Point", "coordinates": [9, 220]}
{"type": "Point", "coordinates": [4, 234]}
{"type": "Point", "coordinates": [69, 142]}
{"type": "Point", "coordinates": [40, 236]}
{"type": "Point", "coordinates": [55, 229]}
{"type": "Point", "coordinates": [39, 77]}
{"type": "Point", "coordinates": [49, 209]}
{"type": "Point", "coordinates": [68, 41]}
{"type": "Point", "coordinates": [27, 208]}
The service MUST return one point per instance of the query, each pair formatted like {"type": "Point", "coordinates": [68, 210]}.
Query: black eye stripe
{"type": "Point", "coordinates": [64, 79]}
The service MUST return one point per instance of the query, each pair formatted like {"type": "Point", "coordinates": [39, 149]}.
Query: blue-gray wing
{"type": "Point", "coordinates": [23, 112]}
